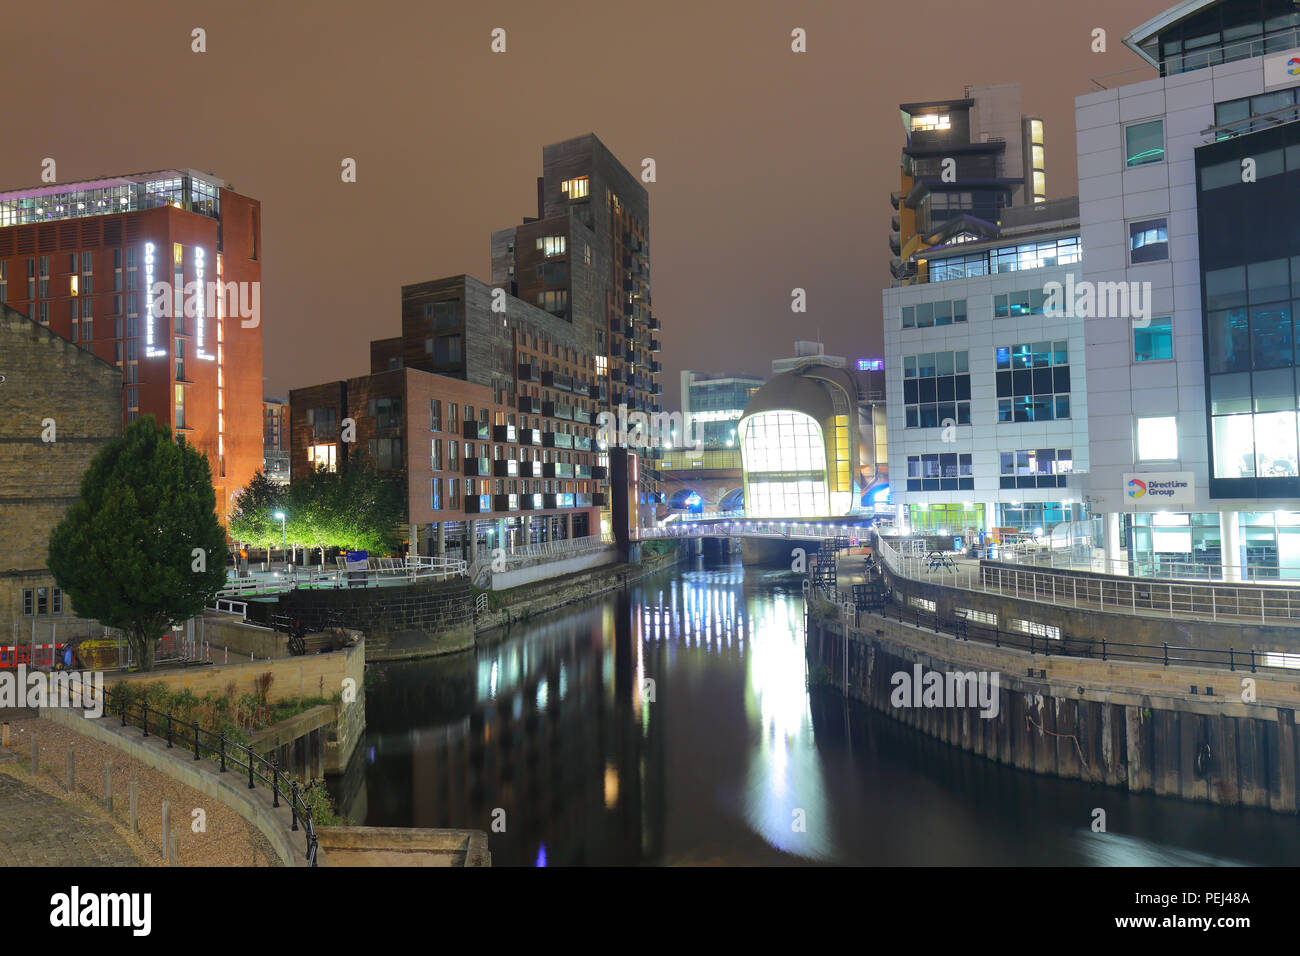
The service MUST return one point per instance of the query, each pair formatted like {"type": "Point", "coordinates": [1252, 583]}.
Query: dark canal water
{"type": "Point", "coordinates": [552, 733]}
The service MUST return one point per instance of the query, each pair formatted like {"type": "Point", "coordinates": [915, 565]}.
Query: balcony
{"type": "Point", "coordinates": [599, 392]}
{"type": "Point", "coordinates": [505, 502]}
{"type": "Point", "coordinates": [581, 444]}
{"type": "Point", "coordinates": [557, 380]}
{"type": "Point", "coordinates": [627, 329]}
{"type": "Point", "coordinates": [629, 355]}
{"type": "Point", "coordinates": [556, 410]}
{"type": "Point", "coordinates": [478, 467]}
{"type": "Point", "coordinates": [654, 324]}
{"type": "Point", "coordinates": [655, 368]}
{"type": "Point", "coordinates": [599, 472]}
{"type": "Point", "coordinates": [529, 405]}
{"type": "Point", "coordinates": [598, 499]}
{"type": "Point", "coordinates": [505, 468]}
{"type": "Point", "coordinates": [656, 389]}
{"type": "Point", "coordinates": [530, 502]}
{"type": "Point", "coordinates": [629, 309]}
{"type": "Point", "coordinates": [655, 346]}
{"type": "Point", "coordinates": [478, 504]}
{"type": "Point", "coordinates": [530, 436]}
{"type": "Point", "coordinates": [530, 469]}
{"type": "Point", "coordinates": [478, 431]}
{"type": "Point", "coordinates": [581, 415]}
{"type": "Point", "coordinates": [530, 372]}
{"type": "Point", "coordinates": [504, 433]}
{"type": "Point", "coordinates": [557, 440]}
{"type": "Point", "coordinates": [557, 469]}
{"type": "Point", "coordinates": [582, 471]}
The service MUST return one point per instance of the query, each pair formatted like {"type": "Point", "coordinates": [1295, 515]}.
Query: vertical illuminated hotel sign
{"type": "Point", "coordinates": [200, 307]}
{"type": "Point", "coordinates": [150, 350]}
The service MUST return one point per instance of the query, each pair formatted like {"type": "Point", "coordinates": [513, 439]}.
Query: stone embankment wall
{"type": "Point", "coordinates": [1173, 731]}
{"type": "Point", "coordinates": [520, 604]}
{"type": "Point", "coordinates": [314, 675]}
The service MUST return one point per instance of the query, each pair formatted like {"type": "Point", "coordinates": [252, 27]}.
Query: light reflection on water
{"type": "Point", "coordinates": [671, 724]}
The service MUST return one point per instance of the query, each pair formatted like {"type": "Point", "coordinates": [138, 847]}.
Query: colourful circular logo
{"type": "Point", "coordinates": [1136, 488]}
{"type": "Point", "coordinates": [1293, 66]}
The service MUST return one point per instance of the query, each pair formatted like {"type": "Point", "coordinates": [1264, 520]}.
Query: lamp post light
{"type": "Point", "coordinates": [284, 544]}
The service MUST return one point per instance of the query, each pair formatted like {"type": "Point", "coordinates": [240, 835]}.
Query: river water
{"type": "Point", "coordinates": [671, 724]}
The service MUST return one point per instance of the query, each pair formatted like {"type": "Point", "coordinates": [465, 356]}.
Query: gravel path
{"type": "Point", "coordinates": [226, 840]}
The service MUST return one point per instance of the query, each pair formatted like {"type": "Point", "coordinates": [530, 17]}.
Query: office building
{"type": "Point", "coordinates": [965, 160]}
{"type": "Point", "coordinates": [1188, 176]}
{"type": "Point", "coordinates": [82, 258]}
{"type": "Point", "coordinates": [985, 392]}
{"type": "Point", "coordinates": [712, 403]}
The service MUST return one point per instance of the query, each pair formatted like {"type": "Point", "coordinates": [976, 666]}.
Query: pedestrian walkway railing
{"type": "Point", "coordinates": [962, 628]}
{"type": "Point", "coordinates": [1081, 559]}
{"type": "Point", "coordinates": [228, 754]}
{"type": "Point", "coordinates": [754, 529]}
{"type": "Point", "coordinates": [1265, 604]}
{"type": "Point", "coordinates": [377, 572]}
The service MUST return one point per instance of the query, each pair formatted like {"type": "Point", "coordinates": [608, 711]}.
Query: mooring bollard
{"type": "Point", "coordinates": [133, 807]}
{"type": "Point", "coordinates": [173, 852]}
{"type": "Point", "coordinates": [5, 741]}
{"type": "Point", "coordinates": [71, 767]}
{"type": "Point", "coordinates": [108, 786]}
{"type": "Point", "coordinates": [36, 755]}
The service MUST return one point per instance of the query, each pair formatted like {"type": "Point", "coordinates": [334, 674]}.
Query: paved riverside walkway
{"type": "Point", "coordinates": [37, 829]}
{"type": "Point", "coordinates": [42, 824]}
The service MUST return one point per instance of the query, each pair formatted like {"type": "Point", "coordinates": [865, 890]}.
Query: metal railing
{"type": "Point", "coordinates": [1210, 601]}
{"type": "Point", "coordinates": [377, 572]}
{"type": "Point", "coordinates": [1166, 655]}
{"type": "Point", "coordinates": [1274, 42]}
{"type": "Point", "coordinates": [225, 751]}
{"type": "Point", "coordinates": [755, 529]}
{"type": "Point", "coordinates": [1081, 559]}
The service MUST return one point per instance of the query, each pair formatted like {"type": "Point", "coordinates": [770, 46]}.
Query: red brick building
{"type": "Point", "coordinates": [490, 415]}
{"type": "Point", "coordinates": [81, 259]}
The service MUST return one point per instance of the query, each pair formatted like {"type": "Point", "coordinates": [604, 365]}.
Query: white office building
{"type": "Point", "coordinates": [1189, 183]}
{"type": "Point", "coordinates": [986, 396]}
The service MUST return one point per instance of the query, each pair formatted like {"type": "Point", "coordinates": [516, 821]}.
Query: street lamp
{"type": "Point", "coordinates": [284, 545]}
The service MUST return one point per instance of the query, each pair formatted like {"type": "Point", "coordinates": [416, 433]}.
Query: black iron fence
{"type": "Point", "coordinates": [231, 755]}
{"type": "Point", "coordinates": [1248, 659]}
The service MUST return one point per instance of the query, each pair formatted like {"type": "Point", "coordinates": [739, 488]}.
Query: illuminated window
{"type": "Point", "coordinates": [1157, 438]}
{"type": "Point", "coordinates": [930, 122]}
{"type": "Point", "coordinates": [551, 245]}
{"type": "Point", "coordinates": [323, 456]}
{"type": "Point", "coordinates": [784, 458]}
{"type": "Point", "coordinates": [1036, 132]}
{"type": "Point", "coordinates": [577, 188]}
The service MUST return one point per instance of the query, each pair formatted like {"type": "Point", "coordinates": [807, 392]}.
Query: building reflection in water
{"type": "Point", "coordinates": [559, 734]}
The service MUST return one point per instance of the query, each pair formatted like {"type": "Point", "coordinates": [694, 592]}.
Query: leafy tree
{"type": "Point", "coordinates": [142, 547]}
{"type": "Point", "coordinates": [354, 507]}
{"type": "Point", "coordinates": [253, 519]}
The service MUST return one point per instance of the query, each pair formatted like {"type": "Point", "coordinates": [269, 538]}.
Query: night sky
{"type": "Point", "coordinates": [774, 168]}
